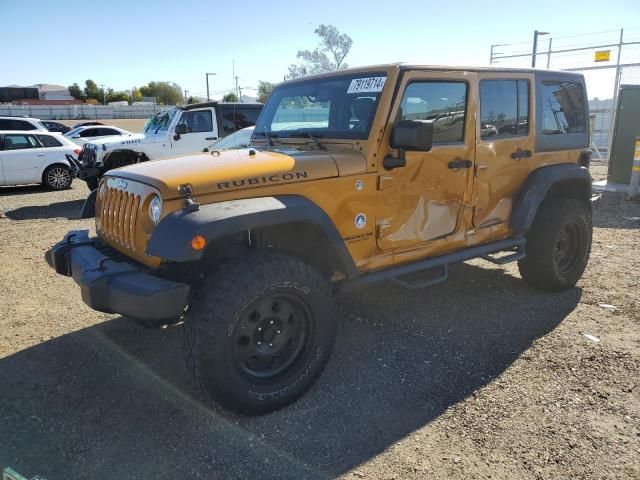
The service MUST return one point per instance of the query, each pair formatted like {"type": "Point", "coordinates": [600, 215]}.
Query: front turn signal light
{"type": "Point", "coordinates": [198, 242]}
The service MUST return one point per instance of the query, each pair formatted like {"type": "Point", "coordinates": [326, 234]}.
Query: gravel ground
{"type": "Point", "coordinates": [481, 377]}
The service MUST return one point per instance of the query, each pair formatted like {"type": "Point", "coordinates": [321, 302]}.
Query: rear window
{"type": "Point", "coordinates": [48, 141]}
{"type": "Point", "coordinates": [563, 107]}
{"type": "Point", "coordinates": [236, 117]}
{"type": "Point", "coordinates": [11, 124]}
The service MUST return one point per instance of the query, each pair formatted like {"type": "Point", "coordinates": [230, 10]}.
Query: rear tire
{"type": "Point", "coordinates": [558, 245]}
{"type": "Point", "coordinates": [57, 177]}
{"type": "Point", "coordinates": [260, 331]}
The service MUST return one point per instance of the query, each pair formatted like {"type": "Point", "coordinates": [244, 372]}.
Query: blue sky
{"type": "Point", "coordinates": [128, 43]}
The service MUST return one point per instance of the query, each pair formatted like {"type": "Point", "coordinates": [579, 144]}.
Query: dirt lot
{"type": "Point", "coordinates": [480, 377]}
{"type": "Point", "coordinates": [133, 125]}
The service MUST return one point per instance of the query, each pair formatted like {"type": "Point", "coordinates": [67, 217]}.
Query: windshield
{"type": "Point", "coordinates": [72, 132]}
{"type": "Point", "coordinates": [340, 107]}
{"type": "Point", "coordinates": [160, 121]}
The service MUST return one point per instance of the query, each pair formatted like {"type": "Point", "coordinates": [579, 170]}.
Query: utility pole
{"type": "Point", "coordinates": [237, 87]}
{"type": "Point", "coordinates": [104, 96]}
{"type": "Point", "coordinates": [207, 79]}
{"type": "Point", "coordinates": [536, 34]}
{"type": "Point", "coordinates": [239, 94]}
{"type": "Point", "coordinates": [185, 95]}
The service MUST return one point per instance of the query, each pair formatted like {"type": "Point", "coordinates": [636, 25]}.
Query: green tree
{"type": "Point", "coordinates": [328, 56]}
{"type": "Point", "coordinates": [264, 90]}
{"type": "Point", "coordinates": [91, 90]}
{"type": "Point", "coordinates": [136, 96]}
{"type": "Point", "coordinates": [164, 92]}
{"type": "Point", "coordinates": [76, 92]}
{"type": "Point", "coordinates": [117, 97]}
{"type": "Point", "coordinates": [192, 99]}
{"type": "Point", "coordinates": [230, 97]}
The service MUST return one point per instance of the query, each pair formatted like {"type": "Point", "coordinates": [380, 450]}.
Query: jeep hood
{"type": "Point", "coordinates": [241, 169]}
{"type": "Point", "coordinates": [117, 140]}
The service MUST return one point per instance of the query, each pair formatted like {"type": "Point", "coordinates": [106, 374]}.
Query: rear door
{"type": "Point", "coordinates": [504, 147]}
{"type": "Point", "coordinates": [22, 158]}
{"type": "Point", "coordinates": [424, 200]}
{"type": "Point", "coordinates": [201, 131]}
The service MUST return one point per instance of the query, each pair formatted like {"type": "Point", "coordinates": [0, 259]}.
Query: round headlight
{"type": "Point", "coordinates": [155, 208]}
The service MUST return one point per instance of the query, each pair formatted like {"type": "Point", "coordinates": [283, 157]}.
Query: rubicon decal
{"type": "Point", "coordinates": [267, 179]}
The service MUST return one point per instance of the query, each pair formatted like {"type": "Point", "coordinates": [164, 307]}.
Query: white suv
{"type": "Point", "coordinates": [33, 156]}
{"type": "Point", "coordinates": [21, 123]}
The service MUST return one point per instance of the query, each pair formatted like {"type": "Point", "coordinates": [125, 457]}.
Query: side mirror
{"type": "Point", "coordinates": [180, 129]}
{"type": "Point", "coordinates": [412, 135]}
{"type": "Point", "coordinates": [76, 136]}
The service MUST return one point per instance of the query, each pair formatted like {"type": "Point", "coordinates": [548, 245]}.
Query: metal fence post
{"type": "Point", "coordinates": [634, 184]}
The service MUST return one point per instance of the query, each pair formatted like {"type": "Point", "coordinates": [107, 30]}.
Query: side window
{"type": "Point", "coordinates": [444, 103]}
{"type": "Point", "coordinates": [247, 117]}
{"type": "Point", "coordinates": [89, 132]}
{"type": "Point", "coordinates": [563, 107]}
{"type": "Point", "coordinates": [107, 131]}
{"type": "Point", "coordinates": [20, 125]}
{"type": "Point", "coordinates": [504, 108]}
{"type": "Point", "coordinates": [4, 124]}
{"type": "Point", "coordinates": [197, 121]}
{"type": "Point", "coordinates": [49, 141]}
{"type": "Point", "coordinates": [19, 142]}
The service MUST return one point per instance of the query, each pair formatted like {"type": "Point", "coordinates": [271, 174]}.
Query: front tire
{"type": "Point", "coordinates": [260, 331]}
{"type": "Point", "coordinates": [558, 245]}
{"type": "Point", "coordinates": [57, 177]}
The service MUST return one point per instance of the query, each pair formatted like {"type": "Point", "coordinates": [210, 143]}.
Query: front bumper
{"type": "Point", "coordinates": [110, 283]}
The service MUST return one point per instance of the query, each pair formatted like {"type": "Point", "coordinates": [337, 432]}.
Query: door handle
{"type": "Point", "coordinates": [518, 154]}
{"type": "Point", "coordinates": [41, 154]}
{"type": "Point", "coordinates": [459, 163]}
{"type": "Point", "coordinates": [211, 138]}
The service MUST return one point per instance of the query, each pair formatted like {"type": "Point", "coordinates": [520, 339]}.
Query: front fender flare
{"type": "Point", "coordinates": [171, 240]}
{"type": "Point", "coordinates": [535, 188]}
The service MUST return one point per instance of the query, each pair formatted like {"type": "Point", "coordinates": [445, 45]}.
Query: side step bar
{"type": "Point", "coordinates": [437, 268]}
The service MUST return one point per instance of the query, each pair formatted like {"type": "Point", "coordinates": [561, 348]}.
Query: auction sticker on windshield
{"type": "Point", "coordinates": [366, 85]}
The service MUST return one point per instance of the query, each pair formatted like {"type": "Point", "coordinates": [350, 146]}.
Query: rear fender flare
{"type": "Point", "coordinates": [536, 187]}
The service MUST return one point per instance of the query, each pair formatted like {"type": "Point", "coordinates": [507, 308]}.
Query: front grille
{"type": "Point", "coordinates": [119, 216]}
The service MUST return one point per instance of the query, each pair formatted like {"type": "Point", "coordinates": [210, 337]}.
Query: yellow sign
{"type": "Point", "coordinates": [602, 55]}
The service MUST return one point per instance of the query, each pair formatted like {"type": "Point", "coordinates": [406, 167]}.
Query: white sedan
{"type": "Point", "coordinates": [82, 135]}
{"type": "Point", "coordinates": [36, 157]}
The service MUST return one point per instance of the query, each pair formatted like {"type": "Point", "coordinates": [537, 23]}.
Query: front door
{"type": "Point", "coordinates": [22, 158]}
{"type": "Point", "coordinates": [201, 131]}
{"type": "Point", "coordinates": [504, 151]}
{"type": "Point", "coordinates": [423, 201]}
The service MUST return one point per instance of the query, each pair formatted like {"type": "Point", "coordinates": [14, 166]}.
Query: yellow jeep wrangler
{"type": "Point", "coordinates": [390, 172]}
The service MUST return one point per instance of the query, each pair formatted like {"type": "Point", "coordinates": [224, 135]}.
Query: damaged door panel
{"type": "Point", "coordinates": [424, 199]}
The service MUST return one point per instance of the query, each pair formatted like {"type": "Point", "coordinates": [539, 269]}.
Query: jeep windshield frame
{"type": "Point", "coordinates": [340, 106]}
{"type": "Point", "coordinates": [161, 121]}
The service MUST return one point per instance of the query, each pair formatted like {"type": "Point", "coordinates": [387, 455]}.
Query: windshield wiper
{"type": "Point", "coordinates": [312, 137]}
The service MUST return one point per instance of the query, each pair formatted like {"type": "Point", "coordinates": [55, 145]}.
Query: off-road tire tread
{"type": "Point", "coordinates": [537, 268]}
{"type": "Point", "coordinates": [218, 296]}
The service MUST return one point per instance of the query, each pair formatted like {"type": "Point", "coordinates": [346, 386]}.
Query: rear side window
{"type": "Point", "coordinates": [504, 108]}
{"type": "Point", "coordinates": [49, 141]}
{"type": "Point", "coordinates": [444, 103]}
{"type": "Point", "coordinates": [20, 142]}
{"type": "Point", "coordinates": [563, 107]}
{"type": "Point", "coordinates": [197, 121]}
{"type": "Point", "coordinates": [236, 118]}
{"type": "Point", "coordinates": [107, 131]}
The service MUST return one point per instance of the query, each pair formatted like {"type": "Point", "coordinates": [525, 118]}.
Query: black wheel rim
{"type": "Point", "coordinates": [272, 335]}
{"type": "Point", "coordinates": [567, 249]}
